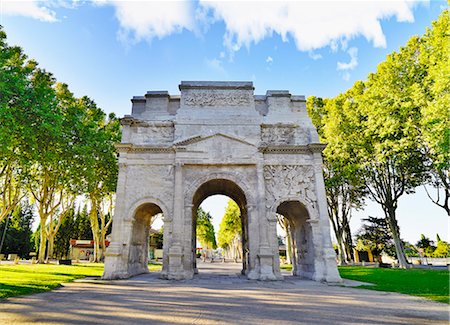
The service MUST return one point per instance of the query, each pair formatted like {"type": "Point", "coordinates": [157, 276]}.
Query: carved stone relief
{"type": "Point", "coordinates": [217, 98]}
{"type": "Point", "coordinates": [284, 181]}
{"type": "Point", "coordinates": [154, 135]}
{"type": "Point", "coordinates": [278, 135]}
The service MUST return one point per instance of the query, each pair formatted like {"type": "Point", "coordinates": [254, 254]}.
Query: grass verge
{"type": "Point", "coordinates": [430, 284]}
{"type": "Point", "coordinates": [16, 280]}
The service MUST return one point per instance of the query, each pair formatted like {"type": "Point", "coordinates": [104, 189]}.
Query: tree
{"type": "Point", "coordinates": [343, 184]}
{"type": "Point", "coordinates": [230, 229]}
{"type": "Point", "coordinates": [375, 236]}
{"type": "Point", "coordinates": [442, 249]}
{"type": "Point", "coordinates": [66, 231]}
{"type": "Point", "coordinates": [18, 239]}
{"type": "Point", "coordinates": [15, 85]}
{"type": "Point", "coordinates": [427, 245]}
{"type": "Point", "coordinates": [205, 230]}
{"type": "Point", "coordinates": [433, 93]}
{"type": "Point", "coordinates": [53, 144]}
{"type": "Point", "coordinates": [285, 225]}
{"type": "Point", "coordinates": [99, 168]}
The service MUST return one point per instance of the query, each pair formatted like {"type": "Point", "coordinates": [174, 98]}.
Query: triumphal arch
{"type": "Point", "coordinates": [219, 138]}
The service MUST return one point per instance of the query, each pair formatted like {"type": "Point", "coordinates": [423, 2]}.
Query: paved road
{"type": "Point", "coordinates": [218, 296]}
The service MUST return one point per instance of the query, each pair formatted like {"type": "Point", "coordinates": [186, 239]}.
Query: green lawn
{"type": "Point", "coordinates": [18, 280]}
{"type": "Point", "coordinates": [430, 284]}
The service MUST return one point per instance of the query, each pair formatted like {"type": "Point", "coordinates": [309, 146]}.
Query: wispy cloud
{"type": "Point", "coordinates": [269, 59]}
{"type": "Point", "coordinates": [31, 9]}
{"type": "Point", "coordinates": [348, 66]}
{"type": "Point", "coordinates": [353, 63]}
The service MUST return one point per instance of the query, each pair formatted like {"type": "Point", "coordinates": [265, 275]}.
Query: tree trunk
{"type": "Point", "coordinates": [288, 239]}
{"type": "Point", "coordinates": [93, 216]}
{"type": "Point", "coordinates": [103, 244]}
{"type": "Point", "coordinates": [393, 226]}
{"type": "Point", "coordinates": [341, 251]}
{"type": "Point", "coordinates": [51, 245]}
{"type": "Point", "coordinates": [348, 244]}
{"type": "Point", "coordinates": [43, 242]}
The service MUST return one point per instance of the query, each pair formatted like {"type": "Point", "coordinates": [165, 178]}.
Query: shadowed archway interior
{"type": "Point", "coordinates": [299, 231]}
{"type": "Point", "coordinates": [138, 257]}
{"type": "Point", "coordinates": [233, 191]}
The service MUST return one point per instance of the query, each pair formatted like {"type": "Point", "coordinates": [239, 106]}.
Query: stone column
{"type": "Point", "coordinates": [265, 255]}
{"type": "Point", "coordinates": [116, 258]}
{"type": "Point", "coordinates": [175, 252]}
{"type": "Point", "coordinates": [328, 255]}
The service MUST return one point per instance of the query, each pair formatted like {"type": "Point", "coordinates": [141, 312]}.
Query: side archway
{"type": "Point", "coordinates": [302, 251]}
{"type": "Point", "coordinates": [143, 213]}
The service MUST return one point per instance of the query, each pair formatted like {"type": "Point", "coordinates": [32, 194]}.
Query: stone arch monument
{"type": "Point", "coordinates": [220, 138]}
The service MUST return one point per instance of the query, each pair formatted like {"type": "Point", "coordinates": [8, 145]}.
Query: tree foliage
{"type": "Point", "coordinates": [18, 236]}
{"type": "Point", "coordinates": [230, 226]}
{"type": "Point", "coordinates": [375, 236]}
{"type": "Point", "coordinates": [54, 147]}
{"type": "Point", "coordinates": [390, 133]}
{"type": "Point", "coordinates": [205, 230]}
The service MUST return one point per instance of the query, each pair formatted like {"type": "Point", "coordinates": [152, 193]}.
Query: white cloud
{"type": "Point", "coordinates": [311, 24]}
{"type": "Point", "coordinates": [27, 8]}
{"type": "Point", "coordinates": [149, 19]}
{"type": "Point", "coordinates": [346, 67]}
{"type": "Point", "coordinates": [353, 63]}
{"type": "Point", "coordinates": [269, 59]}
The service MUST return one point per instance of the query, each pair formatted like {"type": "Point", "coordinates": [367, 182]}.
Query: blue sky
{"type": "Point", "coordinates": [113, 50]}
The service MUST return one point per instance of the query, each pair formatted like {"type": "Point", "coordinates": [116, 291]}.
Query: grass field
{"type": "Point", "coordinates": [18, 280]}
{"type": "Point", "coordinates": [430, 284]}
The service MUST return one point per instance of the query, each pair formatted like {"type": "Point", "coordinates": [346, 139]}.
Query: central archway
{"type": "Point", "coordinates": [232, 190]}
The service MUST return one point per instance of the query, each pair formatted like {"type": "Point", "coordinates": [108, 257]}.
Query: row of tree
{"type": "Point", "coordinates": [389, 134]}
{"type": "Point", "coordinates": [229, 234]}
{"type": "Point", "coordinates": [374, 236]}
{"type": "Point", "coordinates": [54, 148]}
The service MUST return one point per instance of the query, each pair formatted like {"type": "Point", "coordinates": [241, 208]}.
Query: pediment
{"type": "Point", "coordinates": [214, 137]}
{"type": "Point", "coordinates": [218, 146]}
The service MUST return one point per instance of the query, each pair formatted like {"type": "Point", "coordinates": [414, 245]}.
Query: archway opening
{"type": "Point", "coordinates": [237, 249]}
{"type": "Point", "coordinates": [294, 219]}
{"type": "Point", "coordinates": [146, 242]}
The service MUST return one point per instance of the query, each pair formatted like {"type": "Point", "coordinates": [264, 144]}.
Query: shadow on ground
{"type": "Point", "coordinates": [218, 295]}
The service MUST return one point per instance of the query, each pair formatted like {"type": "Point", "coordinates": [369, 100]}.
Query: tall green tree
{"type": "Point", "coordinates": [18, 239]}
{"type": "Point", "coordinates": [375, 236]}
{"type": "Point", "coordinates": [99, 168]}
{"type": "Point", "coordinates": [15, 88]}
{"type": "Point", "coordinates": [230, 229]}
{"type": "Point", "coordinates": [433, 93]}
{"type": "Point", "coordinates": [205, 230]}
{"type": "Point", "coordinates": [53, 143]}
{"type": "Point", "coordinates": [66, 232]}
{"type": "Point", "coordinates": [343, 184]}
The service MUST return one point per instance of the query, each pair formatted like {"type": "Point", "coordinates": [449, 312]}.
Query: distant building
{"type": "Point", "coordinates": [81, 249]}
